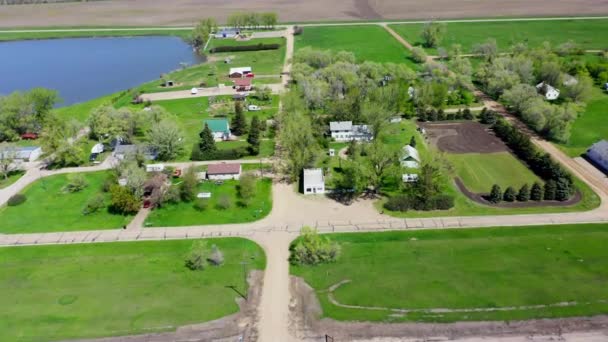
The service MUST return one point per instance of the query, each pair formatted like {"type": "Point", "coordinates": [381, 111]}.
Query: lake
{"type": "Point", "coordinates": [81, 69]}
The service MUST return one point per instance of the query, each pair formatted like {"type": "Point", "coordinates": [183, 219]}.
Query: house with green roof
{"type": "Point", "coordinates": [220, 128]}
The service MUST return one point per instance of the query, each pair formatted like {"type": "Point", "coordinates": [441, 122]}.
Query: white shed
{"type": "Point", "coordinates": [314, 181]}
{"type": "Point", "coordinates": [155, 168]}
{"type": "Point", "coordinates": [410, 158]}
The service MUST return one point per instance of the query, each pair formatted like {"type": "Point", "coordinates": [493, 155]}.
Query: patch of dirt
{"type": "Point", "coordinates": [306, 311]}
{"type": "Point", "coordinates": [230, 328]}
{"type": "Point", "coordinates": [463, 137]}
{"type": "Point", "coordinates": [482, 199]}
{"type": "Point", "coordinates": [188, 12]}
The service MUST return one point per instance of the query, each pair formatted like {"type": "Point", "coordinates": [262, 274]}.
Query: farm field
{"type": "Point", "coordinates": [184, 214]}
{"type": "Point", "coordinates": [49, 208]}
{"type": "Point", "coordinates": [111, 289]}
{"type": "Point", "coordinates": [590, 127]}
{"type": "Point", "coordinates": [368, 43]}
{"type": "Point", "coordinates": [480, 171]}
{"type": "Point", "coordinates": [533, 33]}
{"type": "Point", "coordinates": [466, 269]}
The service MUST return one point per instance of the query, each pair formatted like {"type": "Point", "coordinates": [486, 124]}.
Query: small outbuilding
{"type": "Point", "coordinates": [224, 171]}
{"type": "Point", "coordinates": [409, 177]}
{"type": "Point", "coordinates": [155, 168]}
{"type": "Point", "coordinates": [97, 148]}
{"type": "Point", "coordinates": [239, 72]}
{"type": "Point", "coordinates": [598, 154]}
{"type": "Point", "coordinates": [220, 128]}
{"type": "Point", "coordinates": [410, 158]}
{"type": "Point", "coordinates": [314, 182]}
{"type": "Point", "coordinates": [549, 92]}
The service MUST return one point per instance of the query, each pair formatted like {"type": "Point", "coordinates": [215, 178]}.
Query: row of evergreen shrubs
{"type": "Point", "coordinates": [551, 191]}
{"type": "Point", "coordinates": [407, 202]}
{"type": "Point", "coordinates": [238, 48]}
{"type": "Point", "coordinates": [441, 115]}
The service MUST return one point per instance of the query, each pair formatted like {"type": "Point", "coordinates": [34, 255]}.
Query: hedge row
{"type": "Point", "coordinates": [237, 48]}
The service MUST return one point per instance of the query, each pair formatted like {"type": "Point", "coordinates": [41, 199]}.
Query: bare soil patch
{"type": "Point", "coordinates": [306, 310]}
{"type": "Point", "coordinates": [187, 12]}
{"type": "Point", "coordinates": [463, 137]}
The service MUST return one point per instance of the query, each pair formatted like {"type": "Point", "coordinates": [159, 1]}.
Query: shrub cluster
{"type": "Point", "coordinates": [237, 48]}
{"type": "Point", "coordinates": [16, 199]}
{"type": "Point", "coordinates": [312, 249]}
{"type": "Point", "coordinates": [200, 256]}
{"type": "Point", "coordinates": [407, 202]}
{"type": "Point", "coordinates": [551, 191]}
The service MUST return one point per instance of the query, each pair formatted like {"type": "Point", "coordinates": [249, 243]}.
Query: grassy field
{"type": "Point", "coordinates": [590, 127]}
{"type": "Point", "coordinates": [111, 289]}
{"type": "Point", "coordinates": [12, 178]}
{"type": "Point", "coordinates": [368, 43]}
{"type": "Point", "coordinates": [85, 33]}
{"type": "Point", "coordinates": [184, 214]}
{"type": "Point", "coordinates": [534, 33]}
{"type": "Point", "coordinates": [49, 209]}
{"type": "Point", "coordinates": [464, 269]}
{"type": "Point", "coordinates": [479, 172]}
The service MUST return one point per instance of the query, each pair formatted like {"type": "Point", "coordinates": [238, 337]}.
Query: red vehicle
{"type": "Point", "coordinates": [29, 136]}
{"type": "Point", "coordinates": [147, 204]}
{"type": "Point", "coordinates": [177, 173]}
{"type": "Point", "coordinates": [250, 75]}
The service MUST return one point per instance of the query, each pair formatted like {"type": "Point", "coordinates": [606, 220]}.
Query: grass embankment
{"type": "Point", "coordinates": [49, 208]}
{"type": "Point", "coordinates": [590, 127]}
{"type": "Point", "coordinates": [87, 32]}
{"type": "Point", "coordinates": [464, 269]}
{"type": "Point", "coordinates": [533, 33]}
{"type": "Point", "coordinates": [112, 289]}
{"type": "Point", "coordinates": [11, 179]}
{"type": "Point", "coordinates": [368, 43]}
{"type": "Point", "coordinates": [184, 214]}
{"type": "Point", "coordinates": [479, 172]}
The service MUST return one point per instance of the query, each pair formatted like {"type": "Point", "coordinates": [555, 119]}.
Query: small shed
{"type": "Point", "coordinates": [97, 148]}
{"type": "Point", "coordinates": [220, 128]}
{"type": "Point", "coordinates": [549, 92]}
{"type": "Point", "coordinates": [224, 171]}
{"type": "Point", "coordinates": [314, 182]}
{"type": "Point", "coordinates": [409, 177]}
{"type": "Point", "coordinates": [155, 168]}
{"type": "Point", "coordinates": [598, 154]}
{"type": "Point", "coordinates": [410, 158]}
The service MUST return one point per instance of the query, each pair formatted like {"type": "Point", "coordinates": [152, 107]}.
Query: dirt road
{"type": "Point", "coordinates": [203, 92]}
{"type": "Point", "coordinates": [187, 12]}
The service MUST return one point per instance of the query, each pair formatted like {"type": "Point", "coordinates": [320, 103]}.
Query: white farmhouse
{"type": "Point", "coordinates": [224, 171]}
{"type": "Point", "coordinates": [410, 158]}
{"type": "Point", "coordinates": [314, 181]}
{"type": "Point", "coordinates": [549, 92]}
{"type": "Point", "coordinates": [346, 131]}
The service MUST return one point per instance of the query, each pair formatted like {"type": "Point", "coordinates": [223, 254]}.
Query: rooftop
{"type": "Point", "coordinates": [218, 125]}
{"type": "Point", "coordinates": [242, 82]}
{"type": "Point", "coordinates": [224, 169]}
{"type": "Point", "coordinates": [240, 70]}
{"type": "Point", "coordinates": [340, 125]}
{"type": "Point", "coordinates": [313, 176]}
{"type": "Point", "coordinates": [601, 148]}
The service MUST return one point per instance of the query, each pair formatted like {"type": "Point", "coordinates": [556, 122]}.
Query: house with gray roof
{"type": "Point", "coordinates": [346, 131]}
{"type": "Point", "coordinates": [598, 154]}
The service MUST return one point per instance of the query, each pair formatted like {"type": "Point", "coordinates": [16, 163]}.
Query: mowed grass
{"type": "Point", "coordinates": [586, 33]}
{"type": "Point", "coordinates": [368, 43]}
{"type": "Point", "coordinates": [590, 127]}
{"type": "Point", "coordinates": [11, 178]}
{"type": "Point", "coordinates": [464, 269]}
{"type": "Point", "coordinates": [87, 32]}
{"type": "Point", "coordinates": [480, 171]}
{"type": "Point", "coordinates": [111, 289]}
{"type": "Point", "coordinates": [49, 208]}
{"type": "Point", "coordinates": [184, 214]}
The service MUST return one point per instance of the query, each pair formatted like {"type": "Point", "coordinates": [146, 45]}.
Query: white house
{"type": "Point", "coordinates": [410, 158]}
{"type": "Point", "coordinates": [314, 182]}
{"type": "Point", "coordinates": [549, 92]}
{"type": "Point", "coordinates": [22, 154]}
{"type": "Point", "coordinates": [346, 131]}
{"type": "Point", "coordinates": [226, 33]}
{"type": "Point", "coordinates": [239, 72]}
{"type": "Point", "coordinates": [224, 171]}
{"type": "Point", "coordinates": [598, 153]}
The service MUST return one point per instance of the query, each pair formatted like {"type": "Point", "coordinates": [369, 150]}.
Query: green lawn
{"type": "Point", "coordinates": [590, 127]}
{"type": "Point", "coordinates": [49, 209]}
{"type": "Point", "coordinates": [12, 178]}
{"type": "Point", "coordinates": [479, 172]}
{"type": "Point", "coordinates": [184, 214]}
{"type": "Point", "coordinates": [464, 269]}
{"type": "Point", "coordinates": [586, 33]}
{"type": "Point", "coordinates": [6, 36]}
{"type": "Point", "coordinates": [113, 289]}
{"type": "Point", "coordinates": [368, 43]}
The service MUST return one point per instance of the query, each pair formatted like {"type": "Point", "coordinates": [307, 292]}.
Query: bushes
{"type": "Point", "coordinates": [238, 48]}
{"type": "Point", "coordinates": [406, 202]}
{"type": "Point", "coordinates": [312, 249]}
{"type": "Point", "coordinates": [94, 204]}
{"type": "Point", "coordinates": [200, 256]}
{"type": "Point", "coordinates": [16, 199]}
{"type": "Point", "coordinates": [398, 203]}
{"type": "Point", "coordinates": [76, 183]}
{"type": "Point", "coordinates": [123, 201]}
{"type": "Point", "coordinates": [224, 202]}
{"type": "Point", "coordinates": [201, 204]}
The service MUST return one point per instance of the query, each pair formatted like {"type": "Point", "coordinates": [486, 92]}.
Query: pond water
{"type": "Point", "coordinates": [82, 69]}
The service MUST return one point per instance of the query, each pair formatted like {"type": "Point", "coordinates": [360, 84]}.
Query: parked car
{"type": "Point", "coordinates": [253, 108]}
{"type": "Point", "coordinates": [194, 91]}
{"type": "Point", "coordinates": [93, 157]}
{"type": "Point", "coordinates": [29, 136]}
{"type": "Point", "coordinates": [250, 75]}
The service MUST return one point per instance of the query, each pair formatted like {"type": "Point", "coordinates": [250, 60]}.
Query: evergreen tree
{"type": "Point", "coordinates": [254, 136]}
{"type": "Point", "coordinates": [458, 115]}
{"type": "Point", "coordinates": [239, 123]}
{"type": "Point", "coordinates": [524, 193]}
{"type": "Point", "coordinates": [467, 114]}
{"type": "Point", "coordinates": [433, 116]}
{"type": "Point", "coordinates": [550, 190]}
{"type": "Point", "coordinates": [206, 145]}
{"type": "Point", "coordinates": [562, 191]}
{"type": "Point", "coordinates": [441, 115]}
{"type": "Point", "coordinates": [496, 194]}
{"type": "Point", "coordinates": [536, 194]}
{"type": "Point", "coordinates": [413, 141]}
{"type": "Point", "coordinates": [510, 194]}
